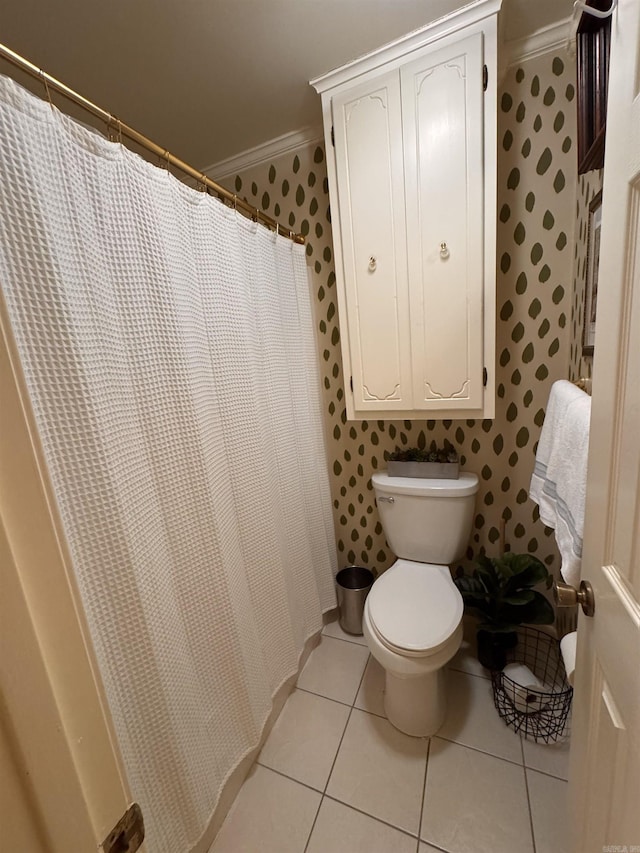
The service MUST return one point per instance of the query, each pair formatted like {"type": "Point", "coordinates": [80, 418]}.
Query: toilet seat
{"type": "Point", "coordinates": [415, 608]}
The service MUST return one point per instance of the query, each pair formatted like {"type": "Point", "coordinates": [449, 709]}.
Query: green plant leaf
{"type": "Point", "coordinates": [486, 571]}
{"type": "Point", "coordinates": [476, 603]}
{"type": "Point", "coordinates": [521, 597]}
{"type": "Point", "coordinates": [538, 611]}
{"type": "Point", "coordinates": [503, 566]}
{"type": "Point", "coordinates": [500, 589]}
{"type": "Point", "coordinates": [528, 576]}
{"type": "Point", "coordinates": [498, 627]}
{"type": "Point", "coordinates": [470, 585]}
{"type": "Point", "coordinates": [486, 574]}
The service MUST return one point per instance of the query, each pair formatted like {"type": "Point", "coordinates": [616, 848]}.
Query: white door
{"type": "Point", "coordinates": [63, 787]}
{"type": "Point", "coordinates": [605, 754]}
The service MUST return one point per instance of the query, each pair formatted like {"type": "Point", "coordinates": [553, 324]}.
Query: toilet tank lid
{"type": "Point", "coordinates": [466, 484]}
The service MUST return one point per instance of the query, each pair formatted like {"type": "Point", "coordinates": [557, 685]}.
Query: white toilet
{"type": "Point", "coordinates": [413, 614]}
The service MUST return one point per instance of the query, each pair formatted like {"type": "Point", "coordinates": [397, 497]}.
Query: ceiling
{"type": "Point", "coordinates": [208, 79]}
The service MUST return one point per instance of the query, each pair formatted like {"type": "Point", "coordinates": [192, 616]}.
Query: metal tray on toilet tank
{"type": "Point", "coordinates": [425, 470]}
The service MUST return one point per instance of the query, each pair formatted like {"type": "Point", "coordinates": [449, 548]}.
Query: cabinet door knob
{"type": "Point", "coordinates": [372, 264]}
{"type": "Point", "coordinates": [444, 251]}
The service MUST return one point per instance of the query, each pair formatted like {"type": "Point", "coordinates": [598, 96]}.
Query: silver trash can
{"type": "Point", "coordinates": [353, 585]}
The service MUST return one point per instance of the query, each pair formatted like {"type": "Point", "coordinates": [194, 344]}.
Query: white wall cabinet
{"type": "Point", "coordinates": [411, 153]}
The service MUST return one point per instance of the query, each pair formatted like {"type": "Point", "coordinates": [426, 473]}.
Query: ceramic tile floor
{"type": "Point", "coordinates": [336, 777]}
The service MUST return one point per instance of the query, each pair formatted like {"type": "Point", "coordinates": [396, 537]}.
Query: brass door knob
{"type": "Point", "coordinates": [566, 595]}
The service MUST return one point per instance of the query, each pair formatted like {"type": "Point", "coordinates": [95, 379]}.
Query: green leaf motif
{"type": "Point", "coordinates": [500, 590]}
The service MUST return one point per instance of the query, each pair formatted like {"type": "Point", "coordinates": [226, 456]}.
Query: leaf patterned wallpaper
{"type": "Point", "coordinates": [536, 193]}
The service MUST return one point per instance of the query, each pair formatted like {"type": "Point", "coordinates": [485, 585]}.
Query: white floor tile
{"type": "Point", "coordinates": [474, 803]}
{"type": "Point", "coordinates": [466, 660]}
{"type": "Point", "coordinates": [334, 669]}
{"type": "Point", "coordinates": [380, 771]}
{"type": "Point", "coordinates": [305, 738]}
{"type": "Point", "coordinates": [371, 694]}
{"type": "Point", "coordinates": [473, 720]}
{"type": "Point", "coordinates": [548, 799]}
{"type": "Point", "coordinates": [333, 629]}
{"type": "Point", "coordinates": [270, 814]}
{"type": "Point", "coordinates": [550, 758]}
{"type": "Point", "coordinates": [340, 829]}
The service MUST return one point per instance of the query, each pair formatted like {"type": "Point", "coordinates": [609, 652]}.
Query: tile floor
{"type": "Point", "coordinates": [336, 777]}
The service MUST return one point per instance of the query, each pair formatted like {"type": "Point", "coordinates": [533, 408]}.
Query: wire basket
{"type": "Point", "coordinates": [541, 715]}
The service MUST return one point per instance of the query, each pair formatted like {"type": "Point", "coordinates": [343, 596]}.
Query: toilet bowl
{"type": "Point", "coordinates": [413, 615]}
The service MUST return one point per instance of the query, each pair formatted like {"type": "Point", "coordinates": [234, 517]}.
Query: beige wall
{"type": "Point", "coordinates": [60, 748]}
{"type": "Point", "coordinates": [536, 191]}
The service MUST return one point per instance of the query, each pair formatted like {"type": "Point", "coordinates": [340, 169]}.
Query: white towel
{"type": "Point", "coordinates": [559, 480]}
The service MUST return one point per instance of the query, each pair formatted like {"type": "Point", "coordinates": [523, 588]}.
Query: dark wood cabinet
{"type": "Point", "coordinates": [593, 39]}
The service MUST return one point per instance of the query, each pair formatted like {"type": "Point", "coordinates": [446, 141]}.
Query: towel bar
{"type": "Point", "coordinates": [584, 384]}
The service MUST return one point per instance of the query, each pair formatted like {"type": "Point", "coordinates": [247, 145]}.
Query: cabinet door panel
{"type": "Point", "coordinates": [443, 143]}
{"type": "Point", "coordinates": [369, 174]}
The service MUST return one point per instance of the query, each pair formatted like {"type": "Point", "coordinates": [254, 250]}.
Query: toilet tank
{"type": "Point", "coordinates": [426, 520]}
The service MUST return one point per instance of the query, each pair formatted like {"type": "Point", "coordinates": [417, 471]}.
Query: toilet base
{"type": "Point", "coordinates": [415, 706]}
{"type": "Point", "coordinates": [414, 699]}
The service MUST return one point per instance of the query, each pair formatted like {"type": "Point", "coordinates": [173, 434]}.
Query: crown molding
{"type": "Point", "coordinates": [468, 15]}
{"type": "Point", "coordinates": [548, 38]}
{"type": "Point", "coordinates": [264, 153]}
{"type": "Point", "coordinates": [542, 41]}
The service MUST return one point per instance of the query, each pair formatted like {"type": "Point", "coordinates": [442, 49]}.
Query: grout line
{"type": "Point", "coordinates": [537, 769]}
{"type": "Point", "coordinates": [483, 751]}
{"type": "Point", "coordinates": [466, 672]}
{"type": "Point", "coordinates": [374, 817]}
{"type": "Point", "coordinates": [344, 704]}
{"type": "Point", "coordinates": [526, 786]}
{"type": "Point", "coordinates": [424, 790]}
{"type": "Point", "coordinates": [546, 773]}
{"type": "Point", "coordinates": [371, 713]}
{"type": "Point", "coordinates": [366, 664]}
{"type": "Point", "coordinates": [313, 825]}
{"type": "Point", "coordinates": [348, 805]}
{"type": "Point", "coordinates": [322, 696]}
{"type": "Point", "coordinates": [290, 778]}
{"type": "Point", "coordinates": [343, 640]}
{"type": "Point", "coordinates": [335, 757]}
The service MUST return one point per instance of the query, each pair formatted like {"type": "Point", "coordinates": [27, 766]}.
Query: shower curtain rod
{"type": "Point", "coordinates": [124, 130]}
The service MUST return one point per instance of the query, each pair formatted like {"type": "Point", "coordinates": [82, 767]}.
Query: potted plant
{"type": "Point", "coordinates": [500, 591]}
{"type": "Point", "coordinates": [436, 462]}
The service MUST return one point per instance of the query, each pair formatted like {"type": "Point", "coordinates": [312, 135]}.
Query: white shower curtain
{"type": "Point", "coordinates": [168, 350]}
